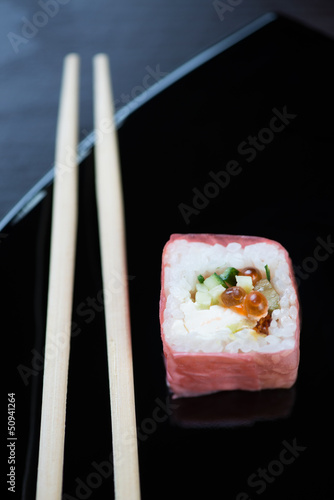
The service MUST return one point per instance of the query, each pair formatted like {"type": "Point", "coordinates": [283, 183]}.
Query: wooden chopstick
{"type": "Point", "coordinates": [114, 274]}
{"type": "Point", "coordinates": [60, 293]}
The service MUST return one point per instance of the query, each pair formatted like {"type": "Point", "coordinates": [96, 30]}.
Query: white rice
{"type": "Point", "coordinates": [189, 259]}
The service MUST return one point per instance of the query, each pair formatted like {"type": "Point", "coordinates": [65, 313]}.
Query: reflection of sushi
{"type": "Point", "coordinates": [232, 408]}
{"type": "Point", "coordinates": [229, 314]}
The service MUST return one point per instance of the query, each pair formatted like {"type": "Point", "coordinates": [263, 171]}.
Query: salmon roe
{"type": "Point", "coordinates": [256, 304]}
{"type": "Point", "coordinates": [233, 296]}
{"type": "Point", "coordinates": [252, 272]}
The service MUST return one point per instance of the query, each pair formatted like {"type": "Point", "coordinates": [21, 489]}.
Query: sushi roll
{"type": "Point", "coordinates": [229, 314]}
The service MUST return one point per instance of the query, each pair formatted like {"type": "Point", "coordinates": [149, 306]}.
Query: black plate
{"type": "Point", "coordinates": [239, 140]}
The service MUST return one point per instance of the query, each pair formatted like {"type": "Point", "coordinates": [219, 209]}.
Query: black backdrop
{"type": "Point", "coordinates": [144, 39]}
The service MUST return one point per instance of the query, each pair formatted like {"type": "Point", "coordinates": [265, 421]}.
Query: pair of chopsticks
{"type": "Point", "coordinates": [61, 282]}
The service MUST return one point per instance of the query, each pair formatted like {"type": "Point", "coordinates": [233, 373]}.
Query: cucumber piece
{"type": "Point", "coordinates": [265, 287]}
{"type": "Point", "coordinates": [215, 293]}
{"type": "Point", "coordinates": [203, 300]}
{"type": "Point", "coordinates": [229, 275]}
{"type": "Point", "coordinates": [213, 281]}
{"type": "Point", "coordinates": [201, 287]}
{"type": "Point", "coordinates": [267, 272]}
{"type": "Point", "coordinates": [245, 282]}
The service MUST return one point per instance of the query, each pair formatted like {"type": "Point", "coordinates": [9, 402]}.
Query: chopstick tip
{"type": "Point", "coordinates": [72, 56]}
{"type": "Point", "coordinates": [101, 57]}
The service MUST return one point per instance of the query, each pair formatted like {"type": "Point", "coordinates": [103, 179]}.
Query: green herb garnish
{"type": "Point", "coordinates": [200, 278]}
{"type": "Point", "coordinates": [228, 276]}
{"type": "Point", "coordinates": [267, 272]}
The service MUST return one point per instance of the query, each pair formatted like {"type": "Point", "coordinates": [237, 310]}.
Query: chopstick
{"type": "Point", "coordinates": [61, 282]}
{"type": "Point", "coordinates": [114, 274]}
{"type": "Point", "coordinates": [60, 292]}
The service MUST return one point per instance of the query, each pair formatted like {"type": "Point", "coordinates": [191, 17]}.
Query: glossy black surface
{"type": "Point", "coordinates": [174, 149]}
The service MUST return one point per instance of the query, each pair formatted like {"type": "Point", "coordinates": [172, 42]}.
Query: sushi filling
{"type": "Point", "coordinates": [230, 308]}
{"type": "Point", "coordinates": [245, 291]}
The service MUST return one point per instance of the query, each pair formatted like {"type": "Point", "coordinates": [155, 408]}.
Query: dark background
{"type": "Point", "coordinates": [144, 39]}
{"type": "Point", "coordinates": [270, 71]}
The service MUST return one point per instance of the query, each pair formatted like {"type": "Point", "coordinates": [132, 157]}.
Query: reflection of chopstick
{"type": "Point", "coordinates": [61, 279]}
{"type": "Point", "coordinates": [114, 274]}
